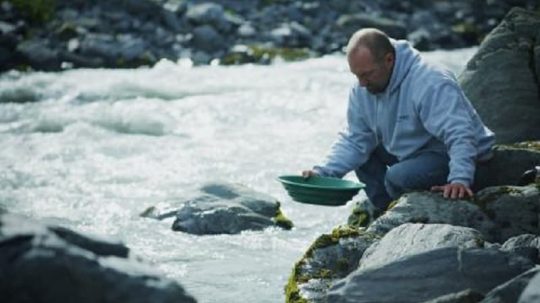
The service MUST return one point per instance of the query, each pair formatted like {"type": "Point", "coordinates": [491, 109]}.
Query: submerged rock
{"type": "Point", "coordinates": [40, 263]}
{"type": "Point", "coordinates": [531, 294]}
{"type": "Point", "coordinates": [466, 296]}
{"type": "Point", "coordinates": [223, 208]}
{"type": "Point", "coordinates": [430, 275]}
{"type": "Point", "coordinates": [502, 83]}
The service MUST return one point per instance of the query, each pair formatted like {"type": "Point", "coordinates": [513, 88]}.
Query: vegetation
{"type": "Point", "coordinates": [37, 11]}
{"type": "Point", "coordinates": [282, 221]}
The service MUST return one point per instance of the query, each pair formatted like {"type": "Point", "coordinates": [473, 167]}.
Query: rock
{"type": "Point", "coordinates": [509, 162]}
{"type": "Point", "coordinates": [223, 208]}
{"type": "Point", "coordinates": [42, 263]}
{"type": "Point", "coordinates": [208, 14]}
{"type": "Point", "coordinates": [207, 39]}
{"type": "Point", "coordinates": [500, 81]}
{"type": "Point", "coordinates": [498, 212]}
{"type": "Point", "coordinates": [523, 242]}
{"type": "Point", "coordinates": [122, 51]}
{"type": "Point", "coordinates": [511, 290]}
{"type": "Point", "coordinates": [425, 207]}
{"type": "Point", "coordinates": [513, 209]}
{"type": "Point", "coordinates": [38, 54]}
{"type": "Point", "coordinates": [430, 275]}
{"type": "Point", "coordinates": [409, 239]}
{"type": "Point", "coordinates": [331, 257]}
{"type": "Point", "coordinates": [466, 296]}
{"type": "Point", "coordinates": [352, 23]}
{"type": "Point", "coordinates": [531, 294]}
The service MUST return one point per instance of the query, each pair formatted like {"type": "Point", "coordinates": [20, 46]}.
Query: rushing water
{"type": "Point", "coordinates": [99, 146]}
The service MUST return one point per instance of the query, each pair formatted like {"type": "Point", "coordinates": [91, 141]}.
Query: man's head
{"type": "Point", "coordinates": [371, 59]}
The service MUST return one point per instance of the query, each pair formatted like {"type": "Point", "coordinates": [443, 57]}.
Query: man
{"type": "Point", "coordinates": [409, 125]}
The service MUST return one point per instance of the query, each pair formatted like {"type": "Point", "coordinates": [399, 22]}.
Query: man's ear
{"type": "Point", "coordinates": [389, 59]}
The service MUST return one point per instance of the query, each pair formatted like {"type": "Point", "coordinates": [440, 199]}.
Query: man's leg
{"type": "Point", "coordinates": [372, 174]}
{"type": "Point", "coordinates": [419, 173]}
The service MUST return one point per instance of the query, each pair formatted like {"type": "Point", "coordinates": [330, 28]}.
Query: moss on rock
{"type": "Point", "coordinates": [533, 145]}
{"type": "Point", "coordinates": [282, 221]}
{"type": "Point", "coordinates": [35, 10]}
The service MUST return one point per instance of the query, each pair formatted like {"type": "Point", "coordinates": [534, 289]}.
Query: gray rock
{"type": "Point", "coordinates": [513, 209]}
{"type": "Point", "coordinates": [511, 290]}
{"type": "Point", "coordinates": [425, 207]}
{"type": "Point", "coordinates": [331, 257]}
{"type": "Point", "coordinates": [120, 50]}
{"type": "Point", "coordinates": [222, 208]}
{"type": "Point", "coordinates": [39, 263]}
{"type": "Point", "coordinates": [410, 239]}
{"type": "Point", "coordinates": [509, 162]}
{"type": "Point", "coordinates": [430, 275]}
{"type": "Point", "coordinates": [500, 81]}
{"type": "Point", "coordinates": [209, 14]}
{"type": "Point", "coordinates": [526, 243]}
{"type": "Point", "coordinates": [291, 35]}
{"type": "Point", "coordinates": [206, 38]}
{"type": "Point", "coordinates": [39, 54]}
{"type": "Point", "coordinates": [351, 23]}
{"type": "Point", "coordinates": [498, 212]}
{"type": "Point", "coordinates": [531, 294]}
{"type": "Point", "coordinates": [466, 296]}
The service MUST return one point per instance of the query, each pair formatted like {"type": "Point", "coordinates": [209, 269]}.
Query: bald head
{"type": "Point", "coordinates": [376, 41]}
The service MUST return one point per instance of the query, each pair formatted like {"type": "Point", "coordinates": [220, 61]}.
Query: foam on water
{"type": "Point", "coordinates": [95, 148]}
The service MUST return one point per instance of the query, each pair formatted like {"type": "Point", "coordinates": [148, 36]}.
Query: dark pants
{"type": "Point", "coordinates": [386, 179]}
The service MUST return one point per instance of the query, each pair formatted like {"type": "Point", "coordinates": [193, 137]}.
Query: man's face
{"type": "Point", "coordinates": [372, 75]}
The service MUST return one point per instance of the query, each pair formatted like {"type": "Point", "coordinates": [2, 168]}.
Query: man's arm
{"type": "Point", "coordinates": [447, 114]}
{"type": "Point", "coordinates": [353, 146]}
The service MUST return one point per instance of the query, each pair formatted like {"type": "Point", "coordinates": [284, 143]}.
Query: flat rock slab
{"type": "Point", "coordinates": [430, 275]}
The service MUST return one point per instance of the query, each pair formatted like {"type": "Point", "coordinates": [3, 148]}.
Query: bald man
{"type": "Point", "coordinates": [409, 125]}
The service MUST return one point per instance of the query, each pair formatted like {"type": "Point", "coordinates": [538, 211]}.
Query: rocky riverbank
{"type": "Point", "coordinates": [60, 34]}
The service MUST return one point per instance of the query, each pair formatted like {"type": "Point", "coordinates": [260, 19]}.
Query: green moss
{"type": "Point", "coordinates": [534, 145]}
{"type": "Point", "coordinates": [326, 240]}
{"type": "Point", "coordinates": [392, 204]}
{"type": "Point", "coordinates": [35, 10]}
{"type": "Point", "coordinates": [292, 293]}
{"type": "Point", "coordinates": [282, 221]}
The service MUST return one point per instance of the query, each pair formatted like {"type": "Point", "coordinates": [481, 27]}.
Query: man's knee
{"type": "Point", "coordinates": [395, 182]}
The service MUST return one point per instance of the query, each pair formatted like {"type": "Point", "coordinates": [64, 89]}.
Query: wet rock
{"type": "Point", "coordinates": [42, 263]}
{"type": "Point", "coordinates": [331, 257]}
{"type": "Point", "coordinates": [430, 275]}
{"type": "Point", "coordinates": [511, 290]}
{"type": "Point", "coordinates": [222, 208]}
{"type": "Point", "coordinates": [507, 101]}
{"type": "Point", "coordinates": [209, 14]}
{"type": "Point", "coordinates": [291, 35]}
{"type": "Point", "coordinates": [409, 239]}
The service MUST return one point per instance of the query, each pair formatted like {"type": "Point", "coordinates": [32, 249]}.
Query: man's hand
{"type": "Point", "coordinates": [308, 173]}
{"type": "Point", "coordinates": [454, 190]}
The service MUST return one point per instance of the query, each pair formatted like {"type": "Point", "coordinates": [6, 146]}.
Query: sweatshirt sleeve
{"type": "Point", "coordinates": [446, 114]}
{"type": "Point", "coordinates": [353, 146]}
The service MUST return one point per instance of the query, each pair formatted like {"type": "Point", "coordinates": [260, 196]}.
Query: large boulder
{"type": "Point", "coordinates": [40, 263]}
{"type": "Point", "coordinates": [409, 239]}
{"type": "Point", "coordinates": [224, 208]}
{"type": "Point", "coordinates": [502, 83]}
{"type": "Point", "coordinates": [430, 275]}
